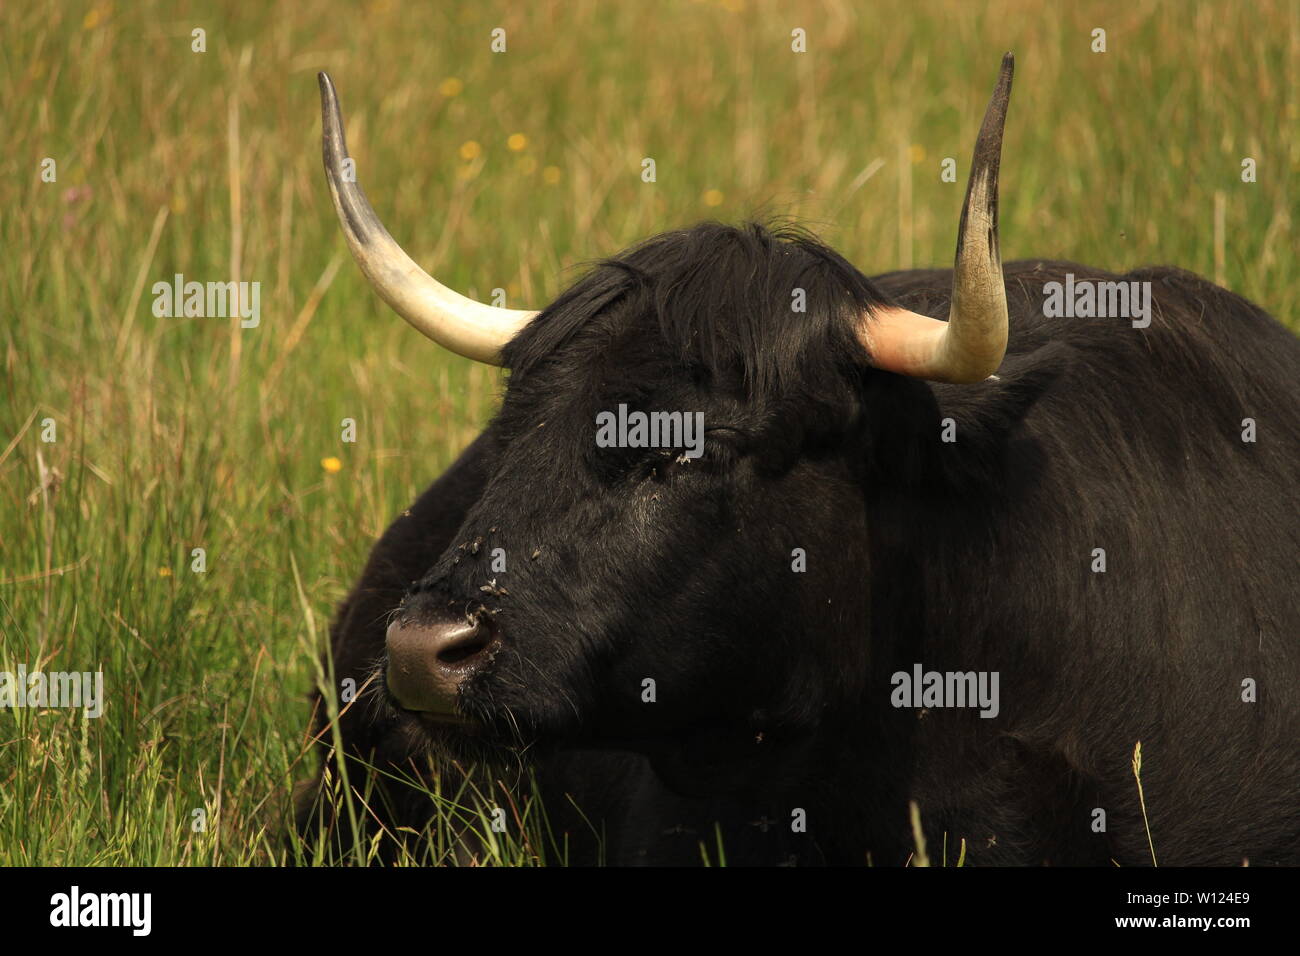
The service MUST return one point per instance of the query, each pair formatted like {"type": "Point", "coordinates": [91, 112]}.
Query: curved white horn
{"type": "Point", "coordinates": [968, 347]}
{"type": "Point", "coordinates": [466, 327]}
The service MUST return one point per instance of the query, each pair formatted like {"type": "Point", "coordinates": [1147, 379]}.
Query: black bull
{"type": "Point", "coordinates": [774, 687]}
{"type": "Point", "coordinates": [694, 649]}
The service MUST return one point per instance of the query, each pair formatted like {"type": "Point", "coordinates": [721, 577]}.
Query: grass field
{"type": "Point", "coordinates": [495, 170]}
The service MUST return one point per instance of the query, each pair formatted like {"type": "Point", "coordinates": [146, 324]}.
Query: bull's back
{"type": "Point", "coordinates": [1150, 539]}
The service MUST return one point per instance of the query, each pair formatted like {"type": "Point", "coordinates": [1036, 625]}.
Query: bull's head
{"type": "Point", "coordinates": [628, 564]}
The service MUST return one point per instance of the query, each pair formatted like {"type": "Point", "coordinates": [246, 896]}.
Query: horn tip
{"type": "Point", "coordinates": [334, 146]}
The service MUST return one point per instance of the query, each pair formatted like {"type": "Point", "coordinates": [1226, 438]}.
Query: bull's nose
{"type": "Point", "coordinates": [429, 659]}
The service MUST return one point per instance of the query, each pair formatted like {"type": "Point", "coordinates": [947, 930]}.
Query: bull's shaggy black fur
{"type": "Point", "coordinates": [773, 687]}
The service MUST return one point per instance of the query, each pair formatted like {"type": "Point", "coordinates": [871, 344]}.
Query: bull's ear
{"type": "Point", "coordinates": [988, 426]}
{"type": "Point", "coordinates": [960, 437]}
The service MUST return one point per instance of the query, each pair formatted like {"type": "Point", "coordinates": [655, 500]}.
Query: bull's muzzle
{"type": "Point", "coordinates": [431, 657]}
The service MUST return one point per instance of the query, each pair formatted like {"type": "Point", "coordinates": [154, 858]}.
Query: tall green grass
{"type": "Point", "coordinates": [174, 434]}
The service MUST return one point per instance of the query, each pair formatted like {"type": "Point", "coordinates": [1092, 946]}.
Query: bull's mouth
{"type": "Point", "coordinates": [438, 723]}
{"type": "Point", "coordinates": [456, 737]}
{"type": "Point", "coordinates": [454, 729]}
{"type": "Point", "coordinates": [442, 720]}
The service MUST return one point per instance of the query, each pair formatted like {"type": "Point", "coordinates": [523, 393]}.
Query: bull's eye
{"type": "Point", "coordinates": [722, 447]}
{"type": "Point", "coordinates": [666, 464]}
{"type": "Point", "coordinates": [662, 463]}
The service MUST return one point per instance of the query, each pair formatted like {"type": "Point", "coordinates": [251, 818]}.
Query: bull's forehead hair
{"type": "Point", "coordinates": [760, 308]}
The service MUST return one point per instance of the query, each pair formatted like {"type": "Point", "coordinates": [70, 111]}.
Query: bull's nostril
{"type": "Point", "coordinates": [463, 650]}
